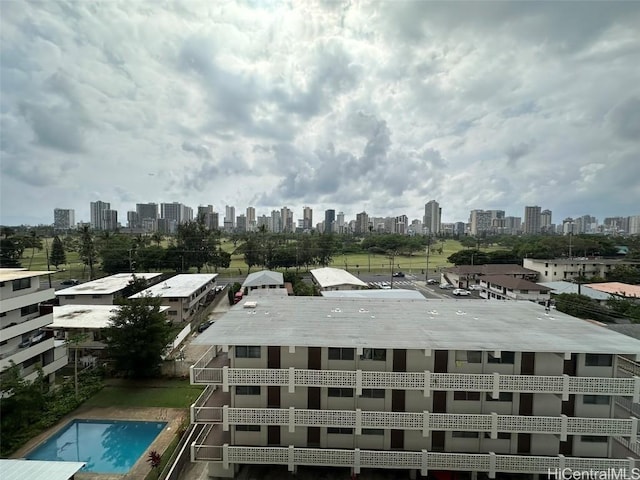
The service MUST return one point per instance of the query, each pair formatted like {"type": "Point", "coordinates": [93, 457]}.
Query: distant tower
{"type": "Point", "coordinates": [329, 220]}
{"type": "Point", "coordinates": [97, 210]}
{"type": "Point", "coordinates": [64, 219]}
{"type": "Point", "coordinates": [307, 218]}
{"type": "Point", "coordinates": [532, 220]}
{"type": "Point", "coordinates": [432, 217]}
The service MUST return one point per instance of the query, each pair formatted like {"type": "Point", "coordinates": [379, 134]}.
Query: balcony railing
{"type": "Point", "coordinates": [423, 381]}
{"type": "Point", "coordinates": [422, 460]}
{"type": "Point", "coordinates": [421, 421]}
{"type": "Point", "coordinates": [629, 366]}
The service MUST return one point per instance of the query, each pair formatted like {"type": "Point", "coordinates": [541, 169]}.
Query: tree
{"type": "Point", "coordinates": [116, 252]}
{"type": "Point", "coordinates": [583, 307]}
{"type": "Point", "coordinates": [57, 256]}
{"type": "Point", "coordinates": [87, 250]}
{"type": "Point", "coordinates": [138, 336]}
{"type": "Point", "coordinates": [11, 250]}
{"type": "Point", "coordinates": [252, 253]}
{"type": "Point", "coordinates": [198, 243]}
{"type": "Point", "coordinates": [625, 274]}
{"type": "Point", "coordinates": [468, 257]}
{"type": "Point", "coordinates": [325, 248]}
{"type": "Point", "coordinates": [75, 340]}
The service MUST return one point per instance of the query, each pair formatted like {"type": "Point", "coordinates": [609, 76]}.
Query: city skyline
{"type": "Point", "coordinates": [374, 107]}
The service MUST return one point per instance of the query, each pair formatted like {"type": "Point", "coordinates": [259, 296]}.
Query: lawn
{"type": "Point", "coordinates": [172, 393]}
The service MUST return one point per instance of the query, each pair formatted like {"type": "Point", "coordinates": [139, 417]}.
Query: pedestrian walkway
{"type": "Point", "coordinates": [396, 283]}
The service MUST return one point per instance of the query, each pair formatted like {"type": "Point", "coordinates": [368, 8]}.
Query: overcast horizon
{"type": "Point", "coordinates": [378, 106]}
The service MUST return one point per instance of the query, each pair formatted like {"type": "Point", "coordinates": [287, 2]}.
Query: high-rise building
{"type": "Point", "coordinates": [147, 211]}
{"type": "Point", "coordinates": [307, 218]}
{"type": "Point", "coordinates": [568, 226]}
{"type": "Point", "coordinates": [241, 223]}
{"type": "Point", "coordinates": [545, 221]}
{"type": "Point", "coordinates": [329, 220]}
{"type": "Point", "coordinates": [251, 219]}
{"type": "Point", "coordinates": [362, 223]}
{"type": "Point", "coordinates": [480, 221]}
{"type": "Point", "coordinates": [512, 225]}
{"type": "Point", "coordinates": [209, 216]}
{"type": "Point", "coordinates": [340, 226]}
{"type": "Point", "coordinates": [276, 221]}
{"type": "Point", "coordinates": [176, 212]}
{"type": "Point", "coordinates": [532, 220]}
{"type": "Point", "coordinates": [286, 216]}
{"type": "Point", "coordinates": [265, 221]}
{"type": "Point", "coordinates": [133, 221]}
{"type": "Point", "coordinates": [229, 218]}
{"type": "Point", "coordinates": [97, 215]}
{"type": "Point", "coordinates": [400, 224]}
{"type": "Point", "coordinates": [110, 220]}
{"type": "Point", "coordinates": [64, 218]}
{"type": "Point", "coordinates": [432, 217]}
{"type": "Point", "coordinates": [634, 224]}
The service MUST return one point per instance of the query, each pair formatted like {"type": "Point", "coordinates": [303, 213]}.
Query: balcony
{"type": "Point", "coordinates": [21, 328]}
{"type": "Point", "coordinates": [203, 411]}
{"type": "Point", "coordinates": [19, 301]}
{"type": "Point", "coordinates": [422, 460]}
{"type": "Point", "coordinates": [19, 355]}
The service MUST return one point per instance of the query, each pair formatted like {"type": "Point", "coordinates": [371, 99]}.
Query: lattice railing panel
{"type": "Point", "coordinates": [328, 418]}
{"type": "Point", "coordinates": [521, 463]}
{"type": "Point", "coordinates": [390, 459]}
{"type": "Point", "coordinates": [458, 461]}
{"type": "Point", "coordinates": [516, 423]}
{"type": "Point", "coordinates": [416, 381]}
{"type": "Point", "coordinates": [326, 456]}
{"type": "Point", "coordinates": [474, 422]}
{"type": "Point", "coordinates": [260, 455]}
{"type": "Point", "coordinates": [400, 420]}
{"type": "Point", "coordinates": [599, 464]}
{"type": "Point", "coordinates": [601, 426]}
{"type": "Point", "coordinates": [259, 416]}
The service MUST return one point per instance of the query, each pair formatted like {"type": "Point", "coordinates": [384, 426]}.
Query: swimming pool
{"type": "Point", "coordinates": [107, 446]}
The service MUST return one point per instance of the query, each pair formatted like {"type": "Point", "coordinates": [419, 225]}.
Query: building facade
{"type": "Point", "coordinates": [555, 269]}
{"type": "Point", "coordinates": [328, 382]}
{"type": "Point", "coordinates": [64, 219]}
{"type": "Point", "coordinates": [432, 217]}
{"type": "Point", "coordinates": [23, 318]}
{"type": "Point", "coordinates": [532, 220]}
{"type": "Point", "coordinates": [96, 211]}
{"type": "Point", "coordinates": [307, 218]}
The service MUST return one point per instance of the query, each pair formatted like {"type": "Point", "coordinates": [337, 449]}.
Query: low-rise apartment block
{"type": "Point", "coordinates": [504, 287]}
{"type": "Point", "coordinates": [23, 319]}
{"type": "Point", "coordinates": [184, 294]}
{"type": "Point", "coordinates": [464, 275]}
{"type": "Point", "coordinates": [329, 278]}
{"type": "Point", "coordinates": [554, 269]}
{"type": "Point", "coordinates": [103, 291]}
{"type": "Point", "coordinates": [494, 387]}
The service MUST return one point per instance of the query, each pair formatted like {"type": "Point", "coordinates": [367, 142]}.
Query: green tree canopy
{"type": "Point", "coordinates": [58, 255]}
{"type": "Point", "coordinates": [469, 257]}
{"type": "Point", "coordinates": [138, 336]}
{"type": "Point", "coordinates": [87, 249]}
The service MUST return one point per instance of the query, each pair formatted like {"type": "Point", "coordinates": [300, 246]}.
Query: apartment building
{"type": "Point", "coordinates": [465, 275]}
{"type": "Point", "coordinates": [183, 294]}
{"type": "Point", "coordinates": [495, 387]}
{"type": "Point", "coordinates": [554, 269]}
{"type": "Point", "coordinates": [102, 291]}
{"type": "Point", "coordinates": [505, 287]}
{"type": "Point", "coordinates": [23, 340]}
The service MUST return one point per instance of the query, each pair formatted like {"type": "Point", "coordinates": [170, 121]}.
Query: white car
{"type": "Point", "coordinates": [385, 286]}
{"type": "Point", "coordinates": [461, 291]}
{"type": "Point", "coordinates": [446, 285]}
{"type": "Point", "coordinates": [474, 287]}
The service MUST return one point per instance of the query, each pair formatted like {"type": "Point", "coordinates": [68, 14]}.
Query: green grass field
{"type": "Point", "coordinates": [74, 268]}
{"type": "Point", "coordinates": [157, 393]}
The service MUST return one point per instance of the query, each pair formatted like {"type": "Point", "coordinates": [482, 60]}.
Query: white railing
{"type": "Point", "coordinates": [629, 406]}
{"type": "Point", "coordinates": [422, 460]}
{"type": "Point", "coordinates": [421, 421]}
{"type": "Point", "coordinates": [633, 446]}
{"type": "Point", "coordinates": [425, 381]}
{"type": "Point", "coordinates": [629, 366]}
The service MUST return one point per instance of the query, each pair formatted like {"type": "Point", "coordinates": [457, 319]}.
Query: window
{"type": "Point", "coordinates": [29, 309]}
{"type": "Point", "coordinates": [501, 435]}
{"type": "Point", "coordinates": [524, 291]}
{"type": "Point", "coordinates": [597, 360]}
{"type": "Point", "coordinates": [469, 356]}
{"type": "Point", "coordinates": [372, 431]}
{"type": "Point", "coordinates": [341, 353]}
{"type": "Point", "coordinates": [341, 392]}
{"type": "Point", "coordinates": [69, 297]}
{"type": "Point", "coordinates": [173, 313]}
{"type": "Point", "coordinates": [174, 300]}
{"type": "Point", "coordinates": [247, 428]}
{"type": "Point", "coordinates": [374, 354]}
{"type": "Point", "coordinates": [466, 396]}
{"type": "Point", "coordinates": [96, 296]}
{"type": "Point", "coordinates": [503, 397]}
{"type": "Point", "coordinates": [372, 393]}
{"type": "Point", "coordinates": [464, 434]}
{"type": "Point", "coordinates": [595, 399]}
{"type": "Point", "coordinates": [244, 351]}
{"type": "Point", "coordinates": [340, 430]}
{"type": "Point", "coordinates": [593, 439]}
{"type": "Point", "coordinates": [248, 390]}
{"type": "Point", "coordinates": [505, 357]}
{"type": "Point", "coordinates": [21, 284]}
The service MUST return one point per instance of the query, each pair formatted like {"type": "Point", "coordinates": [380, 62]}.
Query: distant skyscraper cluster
{"type": "Point", "coordinates": [166, 217]}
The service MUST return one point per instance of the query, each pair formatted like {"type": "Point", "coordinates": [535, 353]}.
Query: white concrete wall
{"type": "Point", "coordinates": [89, 299]}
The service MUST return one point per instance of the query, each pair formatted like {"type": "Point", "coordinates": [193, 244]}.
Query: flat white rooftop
{"type": "Point", "coordinates": [9, 274]}
{"type": "Point", "coordinates": [179, 286]}
{"type": "Point", "coordinates": [84, 316]}
{"type": "Point", "coordinates": [331, 277]}
{"type": "Point", "coordinates": [105, 285]}
{"type": "Point", "coordinates": [38, 469]}
{"type": "Point", "coordinates": [396, 293]}
{"type": "Point", "coordinates": [436, 324]}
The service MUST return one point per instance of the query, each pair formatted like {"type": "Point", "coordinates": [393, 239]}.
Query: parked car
{"type": "Point", "coordinates": [70, 283]}
{"type": "Point", "coordinates": [385, 286]}
{"type": "Point", "coordinates": [432, 281]}
{"type": "Point", "coordinates": [446, 285]}
{"type": "Point", "coordinates": [398, 274]}
{"type": "Point", "coordinates": [474, 287]}
{"type": "Point", "coordinates": [204, 325]}
{"type": "Point", "coordinates": [461, 292]}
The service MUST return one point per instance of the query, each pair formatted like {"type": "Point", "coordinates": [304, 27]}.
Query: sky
{"type": "Point", "coordinates": [374, 106]}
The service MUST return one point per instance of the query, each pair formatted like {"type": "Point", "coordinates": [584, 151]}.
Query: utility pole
{"type": "Point", "coordinates": [426, 272]}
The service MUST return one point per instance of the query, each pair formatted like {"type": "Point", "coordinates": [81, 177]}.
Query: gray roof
{"type": "Point", "coordinates": [38, 469]}
{"type": "Point", "coordinates": [631, 329]}
{"type": "Point", "coordinates": [263, 277]}
{"type": "Point", "coordinates": [106, 285]}
{"type": "Point", "coordinates": [398, 293]}
{"type": "Point", "coordinates": [568, 287]}
{"type": "Point", "coordinates": [436, 324]}
{"type": "Point", "coordinates": [513, 283]}
{"type": "Point", "coordinates": [179, 286]}
{"type": "Point", "coordinates": [332, 277]}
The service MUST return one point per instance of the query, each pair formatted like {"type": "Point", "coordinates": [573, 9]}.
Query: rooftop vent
{"type": "Point", "coordinates": [250, 304]}
{"type": "Point", "coordinates": [165, 285]}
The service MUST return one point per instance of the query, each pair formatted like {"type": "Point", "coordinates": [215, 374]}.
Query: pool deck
{"type": "Point", "coordinates": [173, 416]}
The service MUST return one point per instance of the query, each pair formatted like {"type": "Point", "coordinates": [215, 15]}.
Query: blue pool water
{"type": "Point", "coordinates": [107, 446]}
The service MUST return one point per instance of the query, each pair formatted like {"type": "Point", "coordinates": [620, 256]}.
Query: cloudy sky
{"type": "Point", "coordinates": [356, 106]}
